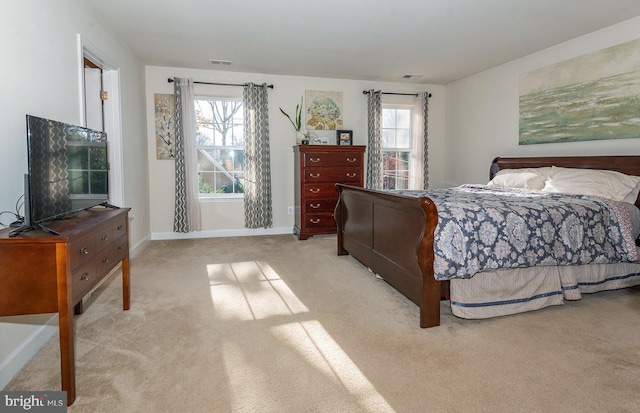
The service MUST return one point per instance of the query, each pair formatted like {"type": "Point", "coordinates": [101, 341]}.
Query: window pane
{"type": "Point", "coordinates": [78, 182]}
{"type": "Point", "coordinates": [403, 118]}
{"type": "Point", "coordinates": [403, 139]}
{"type": "Point", "coordinates": [221, 170]}
{"type": "Point", "coordinates": [99, 182]}
{"type": "Point", "coordinates": [395, 166]}
{"type": "Point", "coordinates": [98, 157]}
{"type": "Point", "coordinates": [388, 138]}
{"type": "Point", "coordinates": [388, 118]}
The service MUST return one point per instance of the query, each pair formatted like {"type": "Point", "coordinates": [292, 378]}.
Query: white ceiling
{"type": "Point", "coordinates": [439, 40]}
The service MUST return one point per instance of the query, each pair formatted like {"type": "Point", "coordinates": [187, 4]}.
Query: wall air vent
{"type": "Point", "coordinates": [411, 76]}
{"type": "Point", "coordinates": [214, 62]}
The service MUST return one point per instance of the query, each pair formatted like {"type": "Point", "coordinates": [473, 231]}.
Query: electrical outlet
{"type": "Point", "coordinates": [290, 210]}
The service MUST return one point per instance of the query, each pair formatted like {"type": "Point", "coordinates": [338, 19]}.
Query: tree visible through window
{"type": "Point", "coordinates": [220, 145]}
{"type": "Point", "coordinates": [396, 147]}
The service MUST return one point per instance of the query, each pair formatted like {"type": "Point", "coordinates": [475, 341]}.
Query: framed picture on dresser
{"type": "Point", "coordinates": [344, 137]}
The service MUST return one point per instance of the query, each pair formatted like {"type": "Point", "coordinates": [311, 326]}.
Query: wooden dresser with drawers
{"type": "Point", "coordinates": [317, 170]}
{"type": "Point", "coordinates": [45, 273]}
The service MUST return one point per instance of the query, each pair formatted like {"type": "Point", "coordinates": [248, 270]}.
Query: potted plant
{"type": "Point", "coordinates": [302, 138]}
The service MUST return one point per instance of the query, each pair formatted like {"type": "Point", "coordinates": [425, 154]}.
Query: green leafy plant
{"type": "Point", "coordinates": [297, 124]}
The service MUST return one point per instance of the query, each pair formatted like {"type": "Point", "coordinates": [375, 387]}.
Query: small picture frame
{"type": "Point", "coordinates": [344, 137]}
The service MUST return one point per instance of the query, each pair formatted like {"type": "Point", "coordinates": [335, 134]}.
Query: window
{"type": "Point", "coordinates": [220, 146]}
{"type": "Point", "coordinates": [396, 147]}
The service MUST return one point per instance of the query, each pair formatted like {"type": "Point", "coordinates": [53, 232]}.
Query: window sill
{"type": "Point", "coordinates": [230, 198]}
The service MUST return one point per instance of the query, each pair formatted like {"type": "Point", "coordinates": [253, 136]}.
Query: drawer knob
{"type": "Point", "coordinates": [105, 260]}
{"type": "Point", "coordinates": [120, 227]}
{"type": "Point", "coordinates": [314, 190]}
{"type": "Point", "coordinates": [84, 250]}
{"type": "Point", "coordinates": [105, 237]}
{"type": "Point", "coordinates": [314, 175]}
{"type": "Point", "coordinates": [351, 175]}
{"type": "Point", "coordinates": [315, 221]}
{"type": "Point", "coordinates": [314, 159]}
{"type": "Point", "coordinates": [352, 159]}
{"type": "Point", "coordinates": [314, 206]}
{"type": "Point", "coordinates": [85, 276]}
{"type": "Point", "coordinates": [121, 247]}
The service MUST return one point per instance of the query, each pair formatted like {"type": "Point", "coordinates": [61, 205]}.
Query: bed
{"type": "Point", "coordinates": [393, 235]}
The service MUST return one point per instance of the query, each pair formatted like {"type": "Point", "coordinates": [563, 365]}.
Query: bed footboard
{"type": "Point", "coordinates": [393, 236]}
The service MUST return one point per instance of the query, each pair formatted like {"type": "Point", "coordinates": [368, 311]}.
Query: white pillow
{"type": "Point", "coordinates": [526, 178]}
{"type": "Point", "coordinates": [607, 184]}
{"type": "Point", "coordinates": [633, 195]}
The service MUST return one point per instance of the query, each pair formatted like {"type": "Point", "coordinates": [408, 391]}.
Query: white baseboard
{"type": "Point", "coordinates": [20, 355]}
{"type": "Point", "coordinates": [244, 232]}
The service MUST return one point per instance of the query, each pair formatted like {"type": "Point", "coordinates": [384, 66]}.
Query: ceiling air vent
{"type": "Point", "coordinates": [214, 62]}
{"type": "Point", "coordinates": [411, 76]}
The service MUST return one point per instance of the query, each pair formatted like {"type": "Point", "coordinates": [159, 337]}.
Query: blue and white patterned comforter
{"type": "Point", "coordinates": [480, 229]}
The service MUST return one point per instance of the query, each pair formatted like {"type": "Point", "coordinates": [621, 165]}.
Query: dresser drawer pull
{"type": "Point", "coordinates": [85, 276]}
{"type": "Point", "coordinates": [314, 159]}
{"type": "Point", "coordinates": [352, 159]}
{"type": "Point", "coordinates": [314, 206]}
{"type": "Point", "coordinates": [315, 221]}
{"type": "Point", "coordinates": [84, 250]}
{"type": "Point", "coordinates": [105, 237]}
{"type": "Point", "coordinates": [351, 175]}
{"type": "Point", "coordinates": [314, 175]}
{"type": "Point", "coordinates": [105, 260]}
{"type": "Point", "coordinates": [314, 190]}
{"type": "Point", "coordinates": [120, 247]}
{"type": "Point", "coordinates": [120, 227]}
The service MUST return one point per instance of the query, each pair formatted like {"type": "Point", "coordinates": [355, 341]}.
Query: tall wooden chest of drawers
{"type": "Point", "coordinates": [317, 169]}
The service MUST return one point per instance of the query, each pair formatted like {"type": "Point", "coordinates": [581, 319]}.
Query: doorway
{"type": "Point", "coordinates": [100, 108]}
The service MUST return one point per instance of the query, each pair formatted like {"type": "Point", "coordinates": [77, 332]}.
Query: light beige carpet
{"type": "Point", "coordinates": [273, 324]}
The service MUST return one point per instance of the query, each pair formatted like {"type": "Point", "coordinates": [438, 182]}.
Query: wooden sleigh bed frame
{"type": "Point", "coordinates": [393, 235]}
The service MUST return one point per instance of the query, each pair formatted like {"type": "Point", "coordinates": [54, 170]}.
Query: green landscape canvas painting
{"type": "Point", "coordinates": [590, 97]}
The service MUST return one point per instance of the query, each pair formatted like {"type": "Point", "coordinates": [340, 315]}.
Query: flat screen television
{"type": "Point", "coordinates": [68, 171]}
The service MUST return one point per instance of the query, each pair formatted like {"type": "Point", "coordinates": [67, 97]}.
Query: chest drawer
{"type": "Point", "coordinates": [319, 205]}
{"type": "Point", "coordinates": [323, 190]}
{"type": "Point", "coordinates": [332, 159]}
{"type": "Point", "coordinates": [81, 251]}
{"type": "Point", "coordinates": [104, 237]}
{"type": "Point", "coordinates": [121, 248]}
{"type": "Point", "coordinates": [83, 280]}
{"type": "Point", "coordinates": [119, 227]}
{"type": "Point", "coordinates": [105, 260]}
{"type": "Point", "coordinates": [328, 174]}
{"type": "Point", "coordinates": [319, 220]}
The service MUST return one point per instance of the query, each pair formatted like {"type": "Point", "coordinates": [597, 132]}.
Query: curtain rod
{"type": "Point", "coordinates": [220, 84]}
{"type": "Point", "coordinates": [366, 92]}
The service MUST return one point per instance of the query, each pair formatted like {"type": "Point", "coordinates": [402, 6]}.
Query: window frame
{"type": "Point", "coordinates": [410, 150]}
{"type": "Point", "coordinates": [219, 196]}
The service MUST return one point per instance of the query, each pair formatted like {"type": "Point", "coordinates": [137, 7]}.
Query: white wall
{"type": "Point", "coordinates": [482, 111]}
{"type": "Point", "coordinates": [228, 217]}
{"type": "Point", "coordinates": [40, 76]}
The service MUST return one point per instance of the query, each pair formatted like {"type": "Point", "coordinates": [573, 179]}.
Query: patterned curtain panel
{"type": "Point", "coordinates": [187, 204]}
{"type": "Point", "coordinates": [374, 148]}
{"type": "Point", "coordinates": [424, 97]}
{"type": "Point", "coordinates": [257, 165]}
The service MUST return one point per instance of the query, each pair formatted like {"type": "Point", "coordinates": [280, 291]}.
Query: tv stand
{"type": "Point", "coordinates": [25, 228]}
{"type": "Point", "coordinates": [43, 273]}
{"type": "Point", "coordinates": [108, 205]}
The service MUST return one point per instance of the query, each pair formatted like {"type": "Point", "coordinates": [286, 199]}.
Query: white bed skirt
{"type": "Point", "coordinates": [504, 292]}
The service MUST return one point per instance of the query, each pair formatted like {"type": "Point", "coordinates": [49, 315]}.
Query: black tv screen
{"type": "Point", "coordinates": [68, 169]}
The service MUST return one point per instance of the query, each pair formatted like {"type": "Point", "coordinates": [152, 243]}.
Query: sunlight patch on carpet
{"type": "Point", "coordinates": [251, 290]}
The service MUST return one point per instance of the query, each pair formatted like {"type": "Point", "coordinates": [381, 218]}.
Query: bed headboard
{"type": "Point", "coordinates": [629, 165]}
